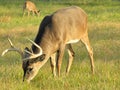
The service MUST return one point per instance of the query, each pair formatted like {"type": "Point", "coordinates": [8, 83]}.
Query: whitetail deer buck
{"type": "Point", "coordinates": [30, 7]}
{"type": "Point", "coordinates": [56, 31]}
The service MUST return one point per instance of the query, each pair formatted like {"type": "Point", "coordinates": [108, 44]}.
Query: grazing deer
{"type": "Point", "coordinates": [56, 31]}
{"type": "Point", "coordinates": [30, 7]}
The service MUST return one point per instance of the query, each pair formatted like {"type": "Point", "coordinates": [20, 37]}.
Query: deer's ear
{"type": "Point", "coordinates": [38, 11]}
{"type": "Point", "coordinates": [39, 59]}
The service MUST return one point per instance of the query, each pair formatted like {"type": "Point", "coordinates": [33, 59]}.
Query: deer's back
{"type": "Point", "coordinates": [71, 22]}
{"type": "Point", "coordinates": [30, 6]}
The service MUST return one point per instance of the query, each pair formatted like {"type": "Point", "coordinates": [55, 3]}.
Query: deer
{"type": "Point", "coordinates": [57, 32]}
{"type": "Point", "coordinates": [30, 7]}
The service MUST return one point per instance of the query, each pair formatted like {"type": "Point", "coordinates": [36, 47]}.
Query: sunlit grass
{"type": "Point", "coordinates": [104, 34]}
{"type": "Point", "coordinates": [80, 77]}
{"type": "Point", "coordinates": [106, 55]}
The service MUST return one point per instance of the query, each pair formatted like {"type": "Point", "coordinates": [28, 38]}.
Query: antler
{"type": "Point", "coordinates": [13, 48]}
{"type": "Point", "coordinates": [32, 54]}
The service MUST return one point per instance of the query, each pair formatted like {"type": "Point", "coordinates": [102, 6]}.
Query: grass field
{"type": "Point", "coordinates": [104, 34]}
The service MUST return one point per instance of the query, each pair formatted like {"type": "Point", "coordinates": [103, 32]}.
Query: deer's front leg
{"type": "Point", "coordinates": [53, 63]}
{"type": "Point", "coordinates": [59, 57]}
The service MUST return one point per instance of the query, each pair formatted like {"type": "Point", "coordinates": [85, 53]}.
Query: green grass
{"type": "Point", "coordinates": [104, 34]}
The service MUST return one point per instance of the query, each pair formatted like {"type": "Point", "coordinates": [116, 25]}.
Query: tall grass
{"type": "Point", "coordinates": [104, 34]}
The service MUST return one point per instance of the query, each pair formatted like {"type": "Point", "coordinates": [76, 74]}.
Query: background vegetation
{"type": "Point", "coordinates": [104, 34]}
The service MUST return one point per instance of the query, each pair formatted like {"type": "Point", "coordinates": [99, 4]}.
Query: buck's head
{"type": "Point", "coordinates": [31, 62]}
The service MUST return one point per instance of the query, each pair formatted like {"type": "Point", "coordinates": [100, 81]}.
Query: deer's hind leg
{"type": "Point", "coordinates": [85, 40]}
{"type": "Point", "coordinates": [71, 56]}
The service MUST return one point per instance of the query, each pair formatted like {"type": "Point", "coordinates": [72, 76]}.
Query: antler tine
{"type": "Point", "coordinates": [3, 53]}
{"type": "Point", "coordinates": [11, 49]}
{"type": "Point", "coordinates": [10, 42]}
{"type": "Point", "coordinates": [36, 45]}
{"type": "Point", "coordinates": [28, 52]}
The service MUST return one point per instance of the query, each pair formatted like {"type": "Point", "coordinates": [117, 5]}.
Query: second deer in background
{"type": "Point", "coordinates": [30, 7]}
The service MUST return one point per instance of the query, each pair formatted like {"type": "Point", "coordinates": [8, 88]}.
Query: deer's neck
{"type": "Point", "coordinates": [48, 43]}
